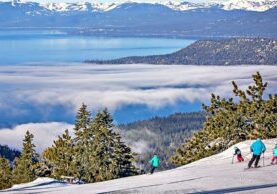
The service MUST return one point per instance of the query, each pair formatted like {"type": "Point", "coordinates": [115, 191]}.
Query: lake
{"type": "Point", "coordinates": [52, 46]}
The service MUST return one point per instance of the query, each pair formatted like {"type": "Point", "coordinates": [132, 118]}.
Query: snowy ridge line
{"type": "Point", "coordinates": [248, 5]}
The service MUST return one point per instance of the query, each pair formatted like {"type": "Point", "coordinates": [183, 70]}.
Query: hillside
{"type": "Point", "coordinates": [8, 153]}
{"type": "Point", "coordinates": [214, 174]}
{"type": "Point", "coordinates": [162, 135]}
{"type": "Point", "coordinates": [235, 51]}
{"type": "Point", "coordinates": [254, 18]}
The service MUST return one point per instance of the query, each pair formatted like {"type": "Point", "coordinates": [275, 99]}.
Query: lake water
{"type": "Point", "coordinates": [27, 47]}
{"type": "Point", "coordinates": [53, 88]}
{"type": "Point", "coordinates": [51, 49]}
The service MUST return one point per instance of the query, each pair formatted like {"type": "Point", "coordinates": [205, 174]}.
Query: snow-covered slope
{"type": "Point", "coordinates": [79, 6]}
{"type": "Point", "coordinates": [250, 5]}
{"type": "Point", "coordinates": [215, 174]}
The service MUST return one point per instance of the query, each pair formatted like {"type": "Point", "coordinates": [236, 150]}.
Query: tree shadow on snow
{"type": "Point", "coordinates": [154, 185]}
{"type": "Point", "coordinates": [237, 189]}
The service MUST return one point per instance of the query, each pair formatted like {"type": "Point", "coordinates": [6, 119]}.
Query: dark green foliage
{"type": "Point", "coordinates": [82, 141]}
{"type": "Point", "coordinates": [5, 174]}
{"type": "Point", "coordinates": [235, 51]}
{"type": "Point", "coordinates": [60, 156]}
{"type": "Point", "coordinates": [24, 170]}
{"type": "Point", "coordinates": [232, 120]}
{"type": "Point", "coordinates": [162, 135]}
{"type": "Point", "coordinates": [96, 153]}
{"type": "Point", "coordinates": [113, 157]}
{"type": "Point", "coordinates": [9, 153]}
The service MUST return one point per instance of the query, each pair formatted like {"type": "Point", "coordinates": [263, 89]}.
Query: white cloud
{"type": "Point", "coordinates": [115, 85]}
{"type": "Point", "coordinates": [44, 134]}
{"type": "Point", "coordinates": [112, 86]}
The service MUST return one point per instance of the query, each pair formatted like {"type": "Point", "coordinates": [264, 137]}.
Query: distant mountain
{"type": "Point", "coordinates": [235, 51]}
{"type": "Point", "coordinates": [194, 20]}
{"type": "Point", "coordinates": [250, 5]}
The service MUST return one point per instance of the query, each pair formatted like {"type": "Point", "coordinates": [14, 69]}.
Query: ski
{"type": "Point", "coordinates": [252, 168]}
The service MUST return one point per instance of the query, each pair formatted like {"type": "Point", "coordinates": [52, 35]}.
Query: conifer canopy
{"type": "Point", "coordinates": [247, 115]}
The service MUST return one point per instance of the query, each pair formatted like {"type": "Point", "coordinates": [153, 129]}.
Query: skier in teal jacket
{"type": "Point", "coordinates": [257, 148]}
{"type": "Point", "coordinates": [155, 161]}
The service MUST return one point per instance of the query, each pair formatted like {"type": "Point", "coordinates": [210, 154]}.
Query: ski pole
{"type": "Point", "coordinates": [145, 168]}
{"type": "Point", "coordinates": [233, 159]}
{"type": "Point", "coordinates": [263, 158]}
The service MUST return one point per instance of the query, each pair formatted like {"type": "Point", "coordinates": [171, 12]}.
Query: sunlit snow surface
{"type": "Point", "coordinates": [215, 174]}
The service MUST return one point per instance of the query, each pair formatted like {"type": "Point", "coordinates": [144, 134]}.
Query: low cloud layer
{"type": "Point", "coordinates": [37, 89]}
{"type": "Point", "coordinates": [114, 85]}
{"type": "Point", "coordinates": [33, 91]}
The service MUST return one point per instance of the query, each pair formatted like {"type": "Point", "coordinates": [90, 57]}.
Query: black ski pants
{"type": "Point", "coordinates": [255, 158]}
{"type": "Point", "coordinates": [152, 170]}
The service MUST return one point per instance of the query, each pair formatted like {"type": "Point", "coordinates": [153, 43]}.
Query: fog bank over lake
{"type": "Point", "coordinates": [48, 93]}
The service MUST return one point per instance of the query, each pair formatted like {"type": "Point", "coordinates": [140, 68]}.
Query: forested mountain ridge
{"type": "Point", "coordinates": [161, 135]}
{"type": "Point", "coordinates": [234, 51]}
{"type": "Point", "coordinates": [186, 20]}
{"type": "Point", "coordinates": [8, 153]}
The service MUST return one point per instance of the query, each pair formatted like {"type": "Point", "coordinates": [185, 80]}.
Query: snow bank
{"type": "Point", "coordinates": [39, 182]}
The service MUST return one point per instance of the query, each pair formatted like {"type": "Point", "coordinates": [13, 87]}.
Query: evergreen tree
{"type": "Point", "coordinates": [111, 155]}
{"type": "Point", "coordinates": [95, 154]}
{"type": "Point", "coordinates": [5, 174]}
{"type": "Point", "coordinates": [125, 158]}
{"type": "Point", "coordinates": [82, 140]}
{"type": "Point", "coordinates": [24, 165]}
{"type": "Point", "coordinates": [230, 121]}
{"type": "Point", "coordinates": [82, 123]}
{"type": "Point", "coordinates": [61, 156]}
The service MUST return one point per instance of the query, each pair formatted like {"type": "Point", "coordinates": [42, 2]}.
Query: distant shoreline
{"type": "Point", "coordinates": [225, 52]}
{"type": "Point", "coordinates": [105, 34]}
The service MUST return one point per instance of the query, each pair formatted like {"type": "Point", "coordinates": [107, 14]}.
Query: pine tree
{"type": "Point", "coordinates": [61, 156]}
{"type": "Point", "coordinates": [125, 158]}
{"type": "Point", "coordinates": [5, 174]}
{"type": "Point", "coordinates": [24, 165]}
{"type": "Point", "coordinates": [95, 154]}
{"type": "Point", "coordinates": [82, 140]}
{"type": "Point", "coordinates": [111, 155]}
{"type": "Point", "coordinates": [230, 121]}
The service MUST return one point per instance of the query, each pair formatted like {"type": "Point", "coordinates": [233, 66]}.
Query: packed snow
{"type": "Point", "coordinates": [215, 174]}
{"type": "Point", "coordinates": [40, 183]}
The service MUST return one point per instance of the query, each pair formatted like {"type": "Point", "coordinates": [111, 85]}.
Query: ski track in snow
{"type": "Point", "coordinates": [215, 174]}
